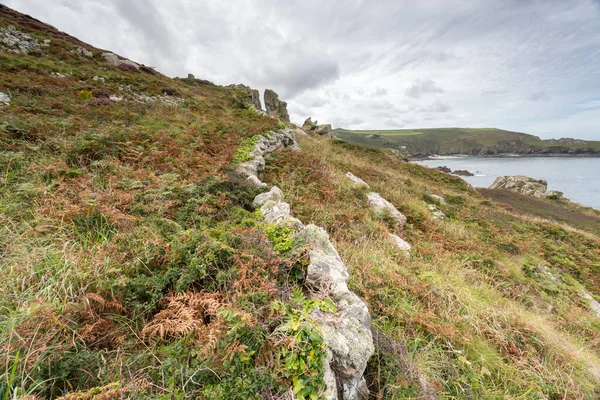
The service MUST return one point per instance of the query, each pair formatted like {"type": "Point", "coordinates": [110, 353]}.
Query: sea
{"type": "Point", "coordinates": [577, 177]}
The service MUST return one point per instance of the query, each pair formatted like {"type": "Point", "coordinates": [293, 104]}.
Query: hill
{"type": "Point", "coordinates": [471, 141]}
{"type": "Point", "coordinates": [142, 257]}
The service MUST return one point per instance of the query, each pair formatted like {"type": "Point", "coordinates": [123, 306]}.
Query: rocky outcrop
{"type": "Point", "coordinates": [249, 96]}
{"type": "Point", "coordinates": [593, 303]}
{"type": "Point", "coordinates": [276, 107]}
{"type": "Point", "coordinates": [115, 60]}
{"type": "Point", "coordinates": [20, 42]}
{"type": "Point", "coordinates": [525, 185]}
{"type": "Point", "coordinates": [82, 52]}
{"type": "Point", "coordinates": [346, 332]}
{"type": "Point", "coordinates": [323, 130]}
{"type": "Point", "coordinates": [463, 172]}
{"type": "Point", "coordinates": [384, 208]}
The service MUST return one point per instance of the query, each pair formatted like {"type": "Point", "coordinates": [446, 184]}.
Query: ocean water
{"type": "Point", "coordinates": [577, 178]}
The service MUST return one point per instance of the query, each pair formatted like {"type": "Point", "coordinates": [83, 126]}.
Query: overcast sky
{"type": "Point", "coordinates": [525, 65]}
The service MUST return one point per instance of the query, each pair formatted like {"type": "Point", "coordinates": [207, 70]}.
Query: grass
{"type": "Point", "coordinates": [134, 265]}
{"type": "Point", "coordinates": [473, 141]}
{"type": "Point", "coordinates": [468, 315]}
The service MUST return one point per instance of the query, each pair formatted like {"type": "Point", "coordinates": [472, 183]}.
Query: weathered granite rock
{"type": "Point", "coordinates": [347, 332]}
{"type": "Point", "coordinates": [300, 132]}
{"type": "Point", "coordinates": [400, 243]}
{"type": "Point", "coordinates": [438, 199]}
{"type": "Point", "coordinates": [437, 213]}
{"type": "Point", "coordinates": [4, 99]}
{"type": "Point", "coordinates": [276, 107]}
{"type": "Point", "coordinates": [383, 207]}
{"type": "Point", "coordinates": [524, 185]}
{"type": "Point", "coordinates": [323, 130]}
{"type": "Point", "coordinates": [250, 96]}
{"type": "Point", "coordinates": [263, 147]}
{"type": "Point", "coordinates": [82, 52]}
{"type": "Point", "coordinates": [356, 179]}
{"type": "Point", "coordinates": [114, 59]}
{"type": "Point", "coordinates": [593, 303]}
{"type": "Point", "coordinates": [20, 42]}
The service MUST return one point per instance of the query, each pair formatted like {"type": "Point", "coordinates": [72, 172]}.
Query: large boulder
{"type": "Point", "coordinates": [249, 96]}
{"type": "Point", "coordinates": [115, 60]}
{"type": "Point", "coordinates": [524, 185]}
{"type": "Point", "coordinates": [276, 107]}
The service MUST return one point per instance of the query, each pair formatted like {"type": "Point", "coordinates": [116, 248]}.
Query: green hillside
{"type": "Point", "coordinates": [472, 141]}
{"type": "Point", "coordinates": [135, 264]}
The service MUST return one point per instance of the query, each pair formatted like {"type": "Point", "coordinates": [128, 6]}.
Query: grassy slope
{"type": "Point", "coordinates": [133, 265]}
{"type": "Point", "coordinates": [482, 141]}
{"type": "Point", "coordinates": [470, 314]}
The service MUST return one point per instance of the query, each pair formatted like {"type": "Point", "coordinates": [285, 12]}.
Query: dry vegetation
{"type": "Point", "coordinates": [488, 304]}
{"type": "Point", "coordinates": [134, 265]}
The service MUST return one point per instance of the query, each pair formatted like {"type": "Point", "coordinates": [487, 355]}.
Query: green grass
{"type": "Point", "coordinates": [473, 141]}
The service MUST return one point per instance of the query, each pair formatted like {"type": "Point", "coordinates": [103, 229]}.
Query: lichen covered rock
{"type": "Point", "coordinates": [382, 207]}
{"type": "Point", "coordinates": [525, 185]}
{"type": "Point", "coordinates": [276, 107]}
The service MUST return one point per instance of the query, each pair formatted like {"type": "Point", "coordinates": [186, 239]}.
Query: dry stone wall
{"type": "Point", "coordinates": [346, 333]}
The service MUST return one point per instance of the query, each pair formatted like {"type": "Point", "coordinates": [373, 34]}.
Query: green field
{"type": "Point", "coordinates": [472, 141]}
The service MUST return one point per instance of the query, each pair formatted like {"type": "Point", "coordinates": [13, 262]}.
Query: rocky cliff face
{"type": "Point", "coordinates": [524, 185]}
{"type": "Point", "coordinates": [250, 96]}
{"type": "Point", "coordinates": [276, 107]}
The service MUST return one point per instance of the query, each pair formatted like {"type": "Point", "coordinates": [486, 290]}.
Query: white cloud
{"type": "Point", "coordinates": [518, 65]}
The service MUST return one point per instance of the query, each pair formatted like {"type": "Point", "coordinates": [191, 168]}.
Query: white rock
{"type": "Point", "coordinates": [115, 98]}
{"type": "Point", "coordinates": [594, 304]}
{"type": "Point", "coordinates": [356, 179]}
{"type": "Point", "coordinates": [400, 243]}
{"type": "Point", "coordinates": [4, 99]}
{"type": "Point", "coordinates": [437, 214]}
{"type": "Point", "coordinates": [438, 199]}
{"type": "Point", "coordinates": [97, 78]}
{"type": "Point", "coordinates": [383, 207]}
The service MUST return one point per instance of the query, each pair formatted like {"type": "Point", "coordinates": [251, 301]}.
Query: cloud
{"type": "Point", "coordinates": [518, 65]}
{"type": "Point", "coordinates": [423, 87]}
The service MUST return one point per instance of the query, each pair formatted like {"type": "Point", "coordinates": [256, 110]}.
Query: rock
{"type": "Point", "coordinates": [251, 96]}
{"type": "Point", "coordinates": [97, 78]}
{"type": "Point", "coordinates": [263, 147]}
{"type": "Point", "coordinates": [356, 179]}
{"type": "Point", "coordinates": [444, 169]}
{"type": "Point", "coordinates": [20, 42]}
{"type": "Point", "coordinates": [524, 185]}
{"type": "Point", "coordinates": [276, 107]}
{"type": "Point", "coordinates": [383, 207]}
{"type": "Point", "coordinates": [438, 199]}
{"type": "Point", "coordinates": [300, 132]}
{"type": "Point", "coordinates": [82, 52]}
{"type": "Point", "coordinates": [437, 214]}
{"type": "Point", "coordinates": [400, 243]}
{"type": "Point", "coordinates": [462, 172]}
{"type": "Point", "coordinates": [346, 333]}
{"type": "Point", "coordinates": [191, 76]}
{"type": "Point", "coordinates": [4, 99]}
{"type": "Point", "coordinates": [594, 304]}
{"type": "Point", "coordinates": [324, 131]}
{"type": "Point", "coordinates": [308, 126]}
{"type": "Point", "coordinates": [114, 59]}
{"type": "Point", "coordinates": [115, 98]}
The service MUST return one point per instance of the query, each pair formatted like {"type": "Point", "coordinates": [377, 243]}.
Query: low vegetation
{"type": "Point", "coordinates": [480, 141]}
{"type": "Point", "coordinates": [135, 266]}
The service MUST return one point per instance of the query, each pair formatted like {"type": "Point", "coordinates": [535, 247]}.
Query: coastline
{"type": "Point", "coordinates": [499, 155]}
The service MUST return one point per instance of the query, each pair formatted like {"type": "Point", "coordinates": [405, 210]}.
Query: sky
{"type": "Point", "coordinates": [525, 65]}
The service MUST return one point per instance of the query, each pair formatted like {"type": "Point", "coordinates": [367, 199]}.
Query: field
{"type": "Point", "coordinates": [473, 141]}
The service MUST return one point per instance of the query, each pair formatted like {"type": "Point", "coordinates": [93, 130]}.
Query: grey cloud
{"type": "Point", "coordinates": [423, 87]}
{"type": "Point", "coordinates": [496, 61]}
